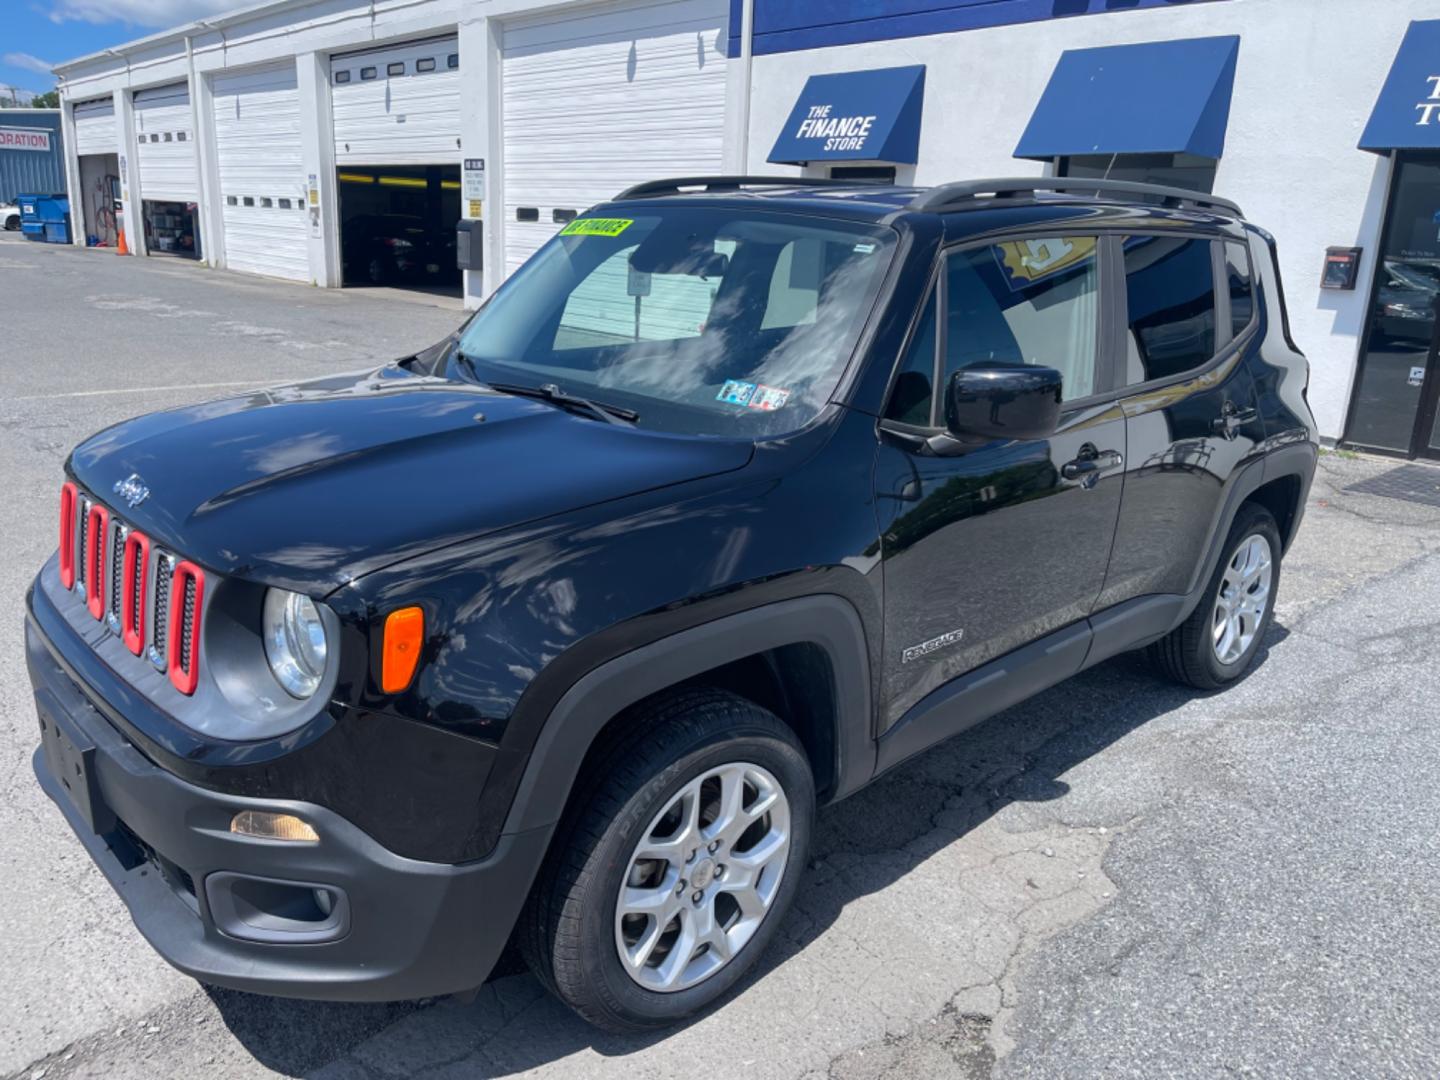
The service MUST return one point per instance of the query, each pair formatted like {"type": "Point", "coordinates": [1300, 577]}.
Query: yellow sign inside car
{"type": "Point", "coordinates": [597, 226]}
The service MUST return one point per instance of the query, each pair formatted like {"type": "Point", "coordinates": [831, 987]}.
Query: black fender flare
{"type": "Point", "coordinates": [1298, 460]}
{"type": "Point", "coordinates": [827, 620]}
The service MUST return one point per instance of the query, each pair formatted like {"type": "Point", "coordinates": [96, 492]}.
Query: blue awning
{"type": "Point", "coordinates": [1154, 98]}
{"type": "Point", "coordinates": [1407, 112]}
{"type": "Point", "coordinates": [855, 116]}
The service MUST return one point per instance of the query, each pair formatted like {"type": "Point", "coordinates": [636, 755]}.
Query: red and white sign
{"type": "Point", "coordinates": [24, 139]}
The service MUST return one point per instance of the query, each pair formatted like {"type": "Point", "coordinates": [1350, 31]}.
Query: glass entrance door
{"type": "Point", "coordinates": [1394, 404]}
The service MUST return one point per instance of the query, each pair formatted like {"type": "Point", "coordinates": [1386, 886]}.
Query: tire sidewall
{"type": "Point", "coordinates": [1254, 522]}
{"type": "Point", "coordinates": [610, 861]}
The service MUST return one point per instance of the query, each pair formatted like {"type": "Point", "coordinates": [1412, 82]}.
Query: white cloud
{"type": "Point", "coordinates": [26, 61]}
{"type": "Point", "coordinates": [156, 13]}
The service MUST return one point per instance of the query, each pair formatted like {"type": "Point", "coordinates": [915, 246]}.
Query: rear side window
{"type": "Point", "coordinates": [1241, 284]}
{"type": "Point", "coordinates": [1170, 293]}
{"type": "Point", "coordinates": [910, 399]}
{"type": "Point", "coordinates": [1032, 301]}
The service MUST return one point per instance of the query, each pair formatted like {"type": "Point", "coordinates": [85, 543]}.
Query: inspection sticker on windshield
{"type": "Point", "coordinates": [768, 398]}
{"type": "Point", "coordinates": [597, 226]}
{"type": "Point", "coordinates": [735, 392]}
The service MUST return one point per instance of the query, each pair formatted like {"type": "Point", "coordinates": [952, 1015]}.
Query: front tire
{"type": "Point", "coordinates": [1218, 642]}
{"type": "Point", "coordinates": [670, 875]}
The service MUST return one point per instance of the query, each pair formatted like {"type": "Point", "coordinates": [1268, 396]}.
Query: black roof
{"type": "Point", "coordinates": [869, 201]}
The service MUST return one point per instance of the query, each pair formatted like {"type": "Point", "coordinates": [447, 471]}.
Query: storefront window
{"type": "Point", "coordinates": [1399, 343]}
{"type": "Point", "coordinates": [1173, 170]}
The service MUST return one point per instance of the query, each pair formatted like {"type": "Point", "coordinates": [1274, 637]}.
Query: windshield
{"type": "Point", "coordinates": [703, 321]}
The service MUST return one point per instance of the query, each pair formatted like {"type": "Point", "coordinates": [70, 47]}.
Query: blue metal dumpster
{"type": "Point", "coordinates": [30, 223]}
{"type": "Point", "coordinates": [54, 211]}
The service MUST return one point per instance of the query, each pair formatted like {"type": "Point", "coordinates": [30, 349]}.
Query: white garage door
{"type": "Point", "coordinates": [95, 127]}
{"type": "Point", "coordinates": [399, 105]}
{"type": "Point", "coordinates": [165, 140]}
{"type": "Point", "coordinates": [262, 173]}
{"type": "Point", "coordinates": [598, 101]}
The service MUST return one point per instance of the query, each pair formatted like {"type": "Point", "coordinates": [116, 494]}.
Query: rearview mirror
{"type": "Point", "coordinates": [1002, 402]}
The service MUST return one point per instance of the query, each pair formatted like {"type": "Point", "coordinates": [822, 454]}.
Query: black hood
{"type": "Point", "coordinates": [311, 485]}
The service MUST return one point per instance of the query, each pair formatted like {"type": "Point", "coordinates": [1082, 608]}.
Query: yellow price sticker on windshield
{"type": "Point", "coordinates": [597, 226]}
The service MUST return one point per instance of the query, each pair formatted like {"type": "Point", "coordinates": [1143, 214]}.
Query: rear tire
{"type": "Point", "coordinates": [1218, 642]}
{"type": "Point", "coordinates": [644, 915]}
{"type": "Point", "coordinates": [12, 223]}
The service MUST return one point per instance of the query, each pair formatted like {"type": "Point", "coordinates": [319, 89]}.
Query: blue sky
{"type": "Point", "coordinates": [38, 33]}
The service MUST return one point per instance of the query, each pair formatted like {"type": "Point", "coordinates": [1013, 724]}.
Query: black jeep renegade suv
{"type": "Point", "coordinates": [738, 494]}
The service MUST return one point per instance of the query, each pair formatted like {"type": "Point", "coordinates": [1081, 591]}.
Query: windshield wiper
{"type": "Point", "coordinates": [549, 392]}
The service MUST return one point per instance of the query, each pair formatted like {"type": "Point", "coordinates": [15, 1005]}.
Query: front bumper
{"type": "Point", "coordinates": [232, 910]}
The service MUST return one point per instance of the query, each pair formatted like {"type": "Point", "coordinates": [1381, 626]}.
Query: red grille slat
{"type": "Point", "coordinates": [132, 613]}
{"type": "Point", "coordinates": [115, 568]}
{"type": "Point", "coordinates": [69, 498]}
{"type": "Point", "coordinates": [97, 527]}
{"type": "Point", "coordinates": [187, 593]}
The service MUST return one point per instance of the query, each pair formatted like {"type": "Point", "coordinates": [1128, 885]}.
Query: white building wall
{"type": "Point", "coordinates": [318, 156]}
{"type": "Point", "coordinates": [130, 195]}
{"type": "Point", "coordinates": [480, 138]}
{"type": "Point", "coordinates": [1308, 74]}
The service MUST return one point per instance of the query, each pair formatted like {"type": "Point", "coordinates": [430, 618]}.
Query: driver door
{"type": "Point", "coordinates": [988, 550]}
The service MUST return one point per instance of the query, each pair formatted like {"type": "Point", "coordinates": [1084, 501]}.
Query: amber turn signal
{"type": "Point", "coordinates": [268, 826]}
{"type": "Point", "coordinates": [404, 633]}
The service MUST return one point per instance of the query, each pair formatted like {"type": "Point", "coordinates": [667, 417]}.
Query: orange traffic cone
{"type": "Point", "coordinates": [120, 248]}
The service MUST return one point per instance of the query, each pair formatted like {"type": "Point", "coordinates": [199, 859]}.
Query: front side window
{"type": "Point", "coordinates": [912, 395]}
{"type": "Point", "coordinates": [1032, 301]}
{"type": "Point", "coordinates": [704, 321]}
{"type": "Point", "coordinates": [1170, 293]}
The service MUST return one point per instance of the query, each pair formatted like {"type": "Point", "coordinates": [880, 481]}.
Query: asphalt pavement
{"type": "Point", "coordinates": [1117, 878]}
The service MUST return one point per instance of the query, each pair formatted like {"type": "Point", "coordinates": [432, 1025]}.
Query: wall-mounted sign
{"type": "Point", "coordinates": [24, 139]}
{"type": "Point", "coordinates": [855, 116]}
{"type": "Point", "coordinates": [476, 208]}
{"type": "Point", "coordinates": [474, 179]}
{"type": "Point", "coordinates": [312, 202]}
{"type": "Point", "coordinates": [1342, 266]}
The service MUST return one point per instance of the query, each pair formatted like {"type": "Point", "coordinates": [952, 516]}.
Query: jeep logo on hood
{"type": "Point", "coordinates": [132, 489]}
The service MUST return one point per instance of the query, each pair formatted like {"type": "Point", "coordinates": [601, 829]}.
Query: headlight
{"type": "Point", "coordinates": [294, 641]}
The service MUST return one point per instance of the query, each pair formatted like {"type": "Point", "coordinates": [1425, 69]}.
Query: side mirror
{"type": "Point", "coordinates": [1003, 402]}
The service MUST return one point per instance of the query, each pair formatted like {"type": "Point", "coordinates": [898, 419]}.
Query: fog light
{"type": "Point", "coordinates": [269, 826]}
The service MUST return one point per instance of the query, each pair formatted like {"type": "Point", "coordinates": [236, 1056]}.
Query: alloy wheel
{"type": "Point", "coordinates": [703, 877]}
{"type": "Point", "coordinates": [1243, 597]}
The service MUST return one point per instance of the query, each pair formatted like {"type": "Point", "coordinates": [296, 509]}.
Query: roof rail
{"type": "Point", "coordinates": [965, 192]}
{"type": "Point", "coordinates": [725, 183]}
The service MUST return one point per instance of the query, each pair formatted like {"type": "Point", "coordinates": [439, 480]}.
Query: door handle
{"type": "Point", "coordinates": [1231, 420]}
{"type": "Point", "coordinates": [1090, 463]}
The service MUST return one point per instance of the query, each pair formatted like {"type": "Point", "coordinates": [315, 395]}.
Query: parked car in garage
{"type": "Point", "coordinates": [386, 248]}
